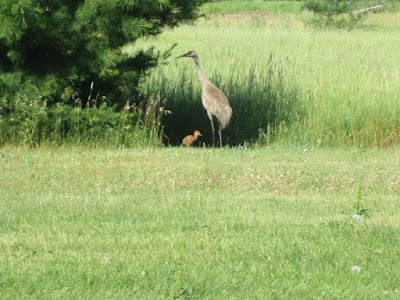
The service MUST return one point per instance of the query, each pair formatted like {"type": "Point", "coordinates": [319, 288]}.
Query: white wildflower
{"type": "Point", "coordinates": [357, 218]}
{"type": "Point", "coordinates": [355, 269]}
{"type": "Point", "coordinates": [105, 260]}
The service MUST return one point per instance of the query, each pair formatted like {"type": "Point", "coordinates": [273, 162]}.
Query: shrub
{"type": "Point", "coordinates": [337, 14]}
{"type": "Point", "coordinates": [61, 47]}
{"type": "Point", "coordinates": [68, 55]}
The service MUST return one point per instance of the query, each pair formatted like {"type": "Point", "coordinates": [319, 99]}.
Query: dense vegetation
{"type": "Point", "coordinates": [298, 221]}
{"type": "Point", "coordinates": [287, 82]}
{"type": "Point", "coordinates": [57, 57]}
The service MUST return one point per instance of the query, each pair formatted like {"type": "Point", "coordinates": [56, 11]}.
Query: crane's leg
{"type": "Point", "coordinates": [220, 134]}
{"type": "Point", "coordinates": [212, 127]}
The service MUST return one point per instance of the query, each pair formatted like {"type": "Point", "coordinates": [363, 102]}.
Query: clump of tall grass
{"type": "Point", "coordinates": [26, 121]}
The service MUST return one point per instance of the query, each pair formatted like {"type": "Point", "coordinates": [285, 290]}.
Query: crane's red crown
{"type": "Point", "coordinates": [189, 54]}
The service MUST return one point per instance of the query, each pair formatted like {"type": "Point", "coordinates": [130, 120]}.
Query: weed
{"type": "Point", "coordinates": [358, 207]}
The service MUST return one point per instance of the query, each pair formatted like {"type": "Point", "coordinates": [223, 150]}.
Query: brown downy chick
{"type": "Point", "coordinates": [189, 139]}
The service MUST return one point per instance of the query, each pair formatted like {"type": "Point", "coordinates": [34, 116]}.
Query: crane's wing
{"type": "Point", "coordinates": [216, 103]}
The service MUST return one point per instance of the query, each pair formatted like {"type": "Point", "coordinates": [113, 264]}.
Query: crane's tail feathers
{"type": "Point", "coordinates": [225, 116]}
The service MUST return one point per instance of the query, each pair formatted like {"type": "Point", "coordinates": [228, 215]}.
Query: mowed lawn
{"type": "Point", "coordinates": [174, 223]}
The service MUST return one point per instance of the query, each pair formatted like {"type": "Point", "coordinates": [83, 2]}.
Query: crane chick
{"type": "Point", "coordinates": [214, 101]}
{"type": "Point", "coordinates": [190, 139]}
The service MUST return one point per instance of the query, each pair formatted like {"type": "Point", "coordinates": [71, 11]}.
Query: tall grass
{"type": "Point", "coordinates": [33, 122]}
{"type": "Point", "coordinates": [219, 7]}
{"type": "Point", "coordinates": [259, 96]}
{"type": "Point", "coordinates": [305, 86]}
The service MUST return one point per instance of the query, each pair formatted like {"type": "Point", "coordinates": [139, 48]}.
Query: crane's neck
{"type": "Point", "coordinates": [200, 73]}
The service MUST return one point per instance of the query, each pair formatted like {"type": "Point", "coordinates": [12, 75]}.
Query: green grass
{"type": "Point", "coordinates": [294, 84]}
{"type": "Point", "coordinates": [224, 7]}
{"type": "Point", "coordinates": [272, 223]}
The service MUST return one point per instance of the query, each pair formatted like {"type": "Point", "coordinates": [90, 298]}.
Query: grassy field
{"type": "Point", "coordinates": [226, 7]}
{"type": "Point", "coordinates": [246, 222]}
{"type": "Point", "coordinates": [174, 223]}
{"type": "Point", "coordinates": [286, 82]}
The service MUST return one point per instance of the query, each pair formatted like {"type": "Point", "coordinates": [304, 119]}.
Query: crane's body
{"type": "Point", "coordinates": [214, 101]}
{"type": "Point", "coordinates": [190, 139]}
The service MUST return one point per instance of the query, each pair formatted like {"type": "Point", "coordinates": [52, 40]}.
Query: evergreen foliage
{"type": "Point", "coordinates": [56, 49]}
{"type": "Point", "coordinates": [64, 78]}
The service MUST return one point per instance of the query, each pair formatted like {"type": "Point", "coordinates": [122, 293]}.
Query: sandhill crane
{"type": "Point", "coordinates": [189, 139]}
{"type": "Point", "coordinates": [214, 101]}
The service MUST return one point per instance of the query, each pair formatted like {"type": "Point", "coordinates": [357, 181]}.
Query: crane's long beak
{"type": "Point", "coordinates": [180, 56]}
